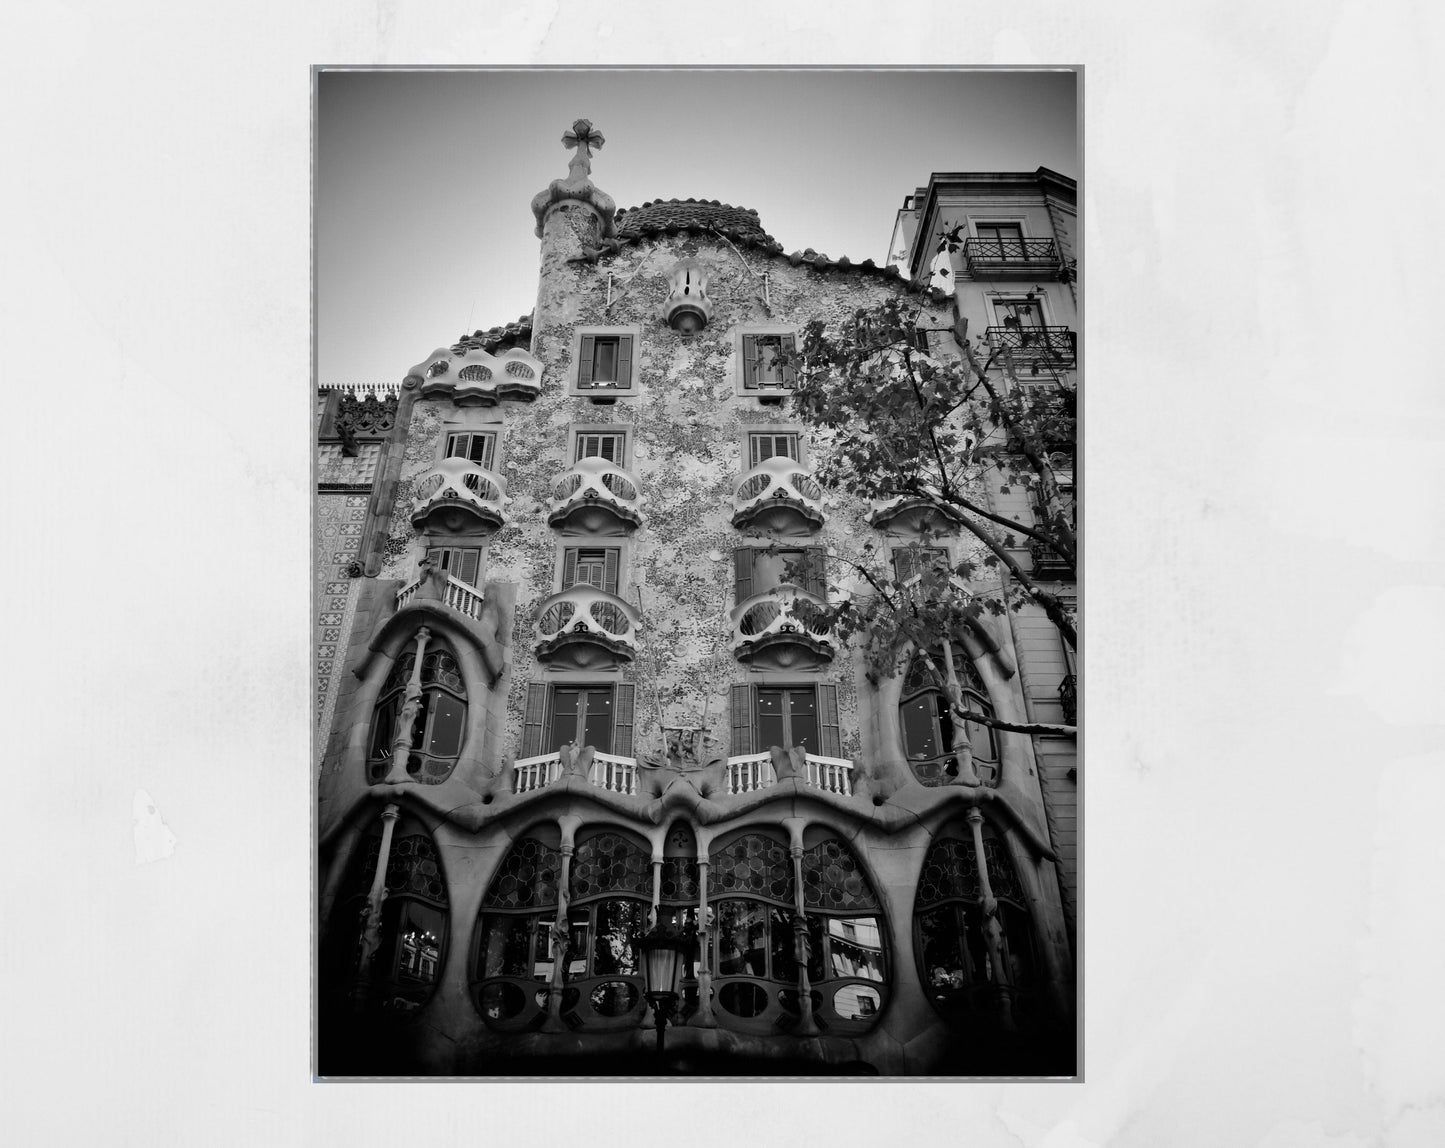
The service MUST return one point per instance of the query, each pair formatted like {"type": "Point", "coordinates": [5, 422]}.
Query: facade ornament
{"type": "Point", "coordinates": [687, 307]}
{"type": "Point", "coordinates": [578, 186]}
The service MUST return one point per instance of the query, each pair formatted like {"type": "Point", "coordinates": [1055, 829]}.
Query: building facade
{"type": "Point", "coordinates": [569, 686]}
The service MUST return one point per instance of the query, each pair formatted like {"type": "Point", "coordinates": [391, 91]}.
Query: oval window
{"type": "Point", "coordinates": [788, 998]}
{"type": "Point", "coordinates": [614, 998]}
{"type": "Point", "coordinates": [857, 1002]}
{"type": "Point", "coordinates": [502, 1000]}
{"type": "Point", "coordinates": [742, 998]}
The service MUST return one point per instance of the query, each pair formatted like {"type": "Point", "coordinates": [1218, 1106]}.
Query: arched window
{"type": "Point", "coordinates": [750, 887]}
{"type": "Point", "coordinates": [958, 973]}
{"type": "Point", "coordinates": [512, 948]}
{"type": "Point", "coordinates": [438, 725]}
{"type": "Point", "coordinates": [611, 894]}
{"type": "Point", "coordinates": [401, 972]}
{"type": "Point", "coordinates": [927, 723]}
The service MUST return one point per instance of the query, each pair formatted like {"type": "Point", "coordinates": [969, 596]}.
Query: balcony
{"type": "Point", "coordinates": [753, 771]}
{"type": "Point", "coordinates": [778, 495]}
{"type": "Point", "coordinates": [595, 496]}
{"type": "Point", "coordinates": [1004, 258]}
{"type": "Point", "coordinates": [608, 771]}
{"type": "Point", "coordinates": [1069, 698]}
{"type": "Point", "coordinates": [457, 494]}
{"type": "Point", "coordinates": [584, 628]}
{"type": "Point", "coordinates": [1054, 346]}
{"type": "Point", "coordinates": [1048, 563]}
{"type": "Point", "coordinates": [457, 594]}
{"type": "Point", "coordinates": [912, 512]}
{"type": "Point", "coordinates": [943, 769]}
{"type": "Point", "coordinates": [780, 629]}
{"type": "Point", "coordinates": [474, 377]}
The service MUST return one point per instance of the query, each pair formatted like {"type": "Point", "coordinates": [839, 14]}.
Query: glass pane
{"type": "Point", "coordinates": [920, 732]}
{"type": "Point", "coordinates": [504, 946]}
{"type": "Point", "coordinates": [856, 1002]}
{"type": "Point", "coordinates": [742, 939]}
{"type": "Point", "coordinates": [772, 568]}
{"type": "Point", "coordinates": [785, 959]}
{"type": "Point", "coordinates": [418, 944]}
{"type": "Point", "coordinates": [743, 999]}
{"type": "Point", "coordinates": [604, 361]}
{"type": "Point", "coordinates": [448, 717]}
{"type": "Point", "coordinates": [770, 718]}
{"type": "Point", "coordinates": [481, 450]}
{"type": "Point", "coordinates": [501, 1001]}
{"type": "Point", "coordinates": [615, 998]}
{"type": "Point", "coordinates": [542, 950]}
{"type": "Point", "coordinates": [564, 718]}
{"type": "Point", "coordinates": [597, 729]}
{"type": "Point", "coordinates": [1018, 948]}
{"type": "Point", "coordinates": [944, 961]}
{"type": "Point", "coordinates": [803, 719]}
{"type": "Point", "coordinates": [768, 370]}
{"type": "Point", "coordinates": [855, 948]}
{"type": "Point", "coordinates": [385, 728]}
{"type": "Point", "coordinates": [620, 925]}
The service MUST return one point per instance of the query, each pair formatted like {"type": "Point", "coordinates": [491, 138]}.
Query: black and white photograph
{"type": "Point", "coordinates": [697, 655]}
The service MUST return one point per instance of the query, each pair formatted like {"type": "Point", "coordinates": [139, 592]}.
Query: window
{"type": "Point", "coordinates": [927, 721]}
{"type": "Point", "coordinates": [1000, 240]}
{"type": "Point", "coordinates": [605, 363]}
{"type": "Point", "coordinates": [910, 562]}
{"type": "Point", "coordinates": [406, 965]}
{"type": "Point", "coordinates": [438, 725]}
{"type": "Point", "coordinates": [1018, 312]}
{"type": "Point", "coordinates": [599, 715]}
{"type": "Point", "coordinates": [771, 444]}
{"type": "Point", "coordinates": [951, 938]}
{"type": "Point", "coordinates": [461, 562]}
{"type": "Point", "coordinates": [611, 445]}
{"type": "Point", "coordinates": [805, 715]}
{"type": "Point", "coordinates": [591, 566]}
{"type": "Point", "coordinates": [478, 446]}
{"type": "Point", "coordinates": [758, 354]}
{"type": "Point", "coordinates": [756, 570]}
{"type": "Point", "coordinates": [918, 336]}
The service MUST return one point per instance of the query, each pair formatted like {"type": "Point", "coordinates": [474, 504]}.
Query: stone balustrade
{"type": "Point", "coordinates": [458, 595]}
{"type": "Point", "coordinates": [608, 771]}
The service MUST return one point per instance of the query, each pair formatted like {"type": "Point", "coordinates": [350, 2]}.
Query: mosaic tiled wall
{"type": "Point", "coordinates": [339, 522]}
{"type": "Point", "coordinates": [687, 426]}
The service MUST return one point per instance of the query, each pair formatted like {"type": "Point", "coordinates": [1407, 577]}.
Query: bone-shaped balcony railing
{"type": "Point", "coordinates": [594, 482]}
{"type": "Point", "coordinates": [587, 612]}
{"type": "Point", "coordinates": [461, 482]}
{"type": "Point", "coordinates": [781, 611]}
{"type": "Point", "coordinates": [775, 483]}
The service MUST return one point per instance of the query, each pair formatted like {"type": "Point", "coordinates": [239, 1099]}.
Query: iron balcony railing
{"type": "Point", "coordinates": [1057, 346]}
{"type": "Point", "coordinates": [998, 257]}
{"type": "Point", "coordinates": [1048, 562]}
{"type": "Point", "coordinates": [1069, 698]}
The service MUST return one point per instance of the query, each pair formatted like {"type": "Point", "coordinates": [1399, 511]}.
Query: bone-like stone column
{"type": "Point", "coordinates": [371, 929]}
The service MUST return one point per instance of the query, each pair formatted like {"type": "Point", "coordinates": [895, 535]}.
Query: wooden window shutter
{"type": "Point", "coordinates": [815, 571]}
{"type": "Point", "coordinates": [435, 557]}
{"type": "Point", "coordinates": [584, 361]}
{"type": "Point", "coordinates": [607, 447]}
{"type": "Point", "coordinates": [569, 568]}
{"type": "Point", "coordinates": [742, 574]}
{"type": "Point", "coordinates": [761, 448]}
{"type": "Point", "coordinates": [488, 451]}
{"type": "Point", "coordinates": [456, 444]}
{"type": "Point", "coordinates": [536, 718]}
{"type": "Point", "coordinates": [609, 571]}
{"type": "Point", "coordinates": [829, 741]}
{"type": "Point", "coordinates": [742, 742]}
{"type": "Point", "coordinates": [622, 720]}
{"type": "Point", "coordinates": [624, 361]}
{"type": "Point", "coordinates": [788, 345]}
{"type": "Point", "coordinates": [465, 563]}
{"type": "Point", "coordinates": [750, 362]}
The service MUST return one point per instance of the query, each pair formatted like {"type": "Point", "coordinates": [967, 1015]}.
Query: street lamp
{"type": "Point", "coordinates": [663, 950]}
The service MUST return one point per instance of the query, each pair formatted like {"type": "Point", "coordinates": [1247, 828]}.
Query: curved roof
{"type": "Point", "coordinates": [738, 224]}
{"type": "Point", "coordinates": [517, 333]}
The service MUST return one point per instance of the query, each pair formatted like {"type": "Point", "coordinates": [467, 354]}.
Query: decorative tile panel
{"type": "Point", "coordinates": [752, 866]}
{"type": "Point", "coordinates": [610, 863]}
{"type": "Point", "coordinates": [833, 880]}
{"type": "Point", "coordinates": [527, 878]}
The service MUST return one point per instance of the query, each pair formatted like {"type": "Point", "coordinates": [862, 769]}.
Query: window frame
{"type": "Point", "coordinates": [492, 431]}
{"type": "Point", "coordinates": [448, 552]}
{"type": "Point", "coordinates": [750, 430]}
{"type": "Point", "coordinates": [577, 389]}
{"type": "Point", "coordinates": [747, 331]}
{"type": "Point", "coordinates": [812, 553]}
{"type": "Point", "coordinates": [578, 431]}
{"type": "Point", "coordinates": [586, 542]}
{"type": "Point", "coordinates": [897, 550]}
{"type": "Point", "coordinates": [995, 299]}
{"type": "Point", "coordinates": [941, 712]}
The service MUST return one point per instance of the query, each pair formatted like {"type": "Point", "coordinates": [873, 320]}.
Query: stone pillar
{"type": "Point", "coordinates": [807, 1026]}
{"type": "Point", "coordinates": [401, 743]}
{"type": "Point", "coordinates": [371, 927]}
{"type": "Point", "coordinates": [992, 930]}
{"type": "Point", "coordinates": [561, 933]}
{"type": "Point", "coordinates": [704, 1017]}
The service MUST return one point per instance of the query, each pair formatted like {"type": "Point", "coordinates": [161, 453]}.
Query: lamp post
{"type": "Point", "coordinates": [663, 951]}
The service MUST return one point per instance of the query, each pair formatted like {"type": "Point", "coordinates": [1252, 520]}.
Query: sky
{"type": "Point", "coordinates": [424, 180]}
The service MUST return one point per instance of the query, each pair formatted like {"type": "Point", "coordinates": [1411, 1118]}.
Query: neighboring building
{"type": "Point", "coordinates": [563, 691]}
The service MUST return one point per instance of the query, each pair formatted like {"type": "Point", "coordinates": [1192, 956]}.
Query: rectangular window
{"type": "Point", "coordinates": [761, 369]}
{"type": "Point", "coordinates": [611, 445]}
{"type": "Point", "coordinates": [771, 444]}
{"type": "Point", "coordinates": [461, 562]}
{"type": "Point", "coordinates": [581, 714]}
{"type": "Point", "coordinates": [1000, 240]}
{"type": "Point", "coordinates": [765, 716]}
{"type": "Point", "coordinates": [478, 446]}
{"type": "Point", "coordinates": [605, 363]}
{"type": "Point", "coordinates": [918, 336]}
{"type": "Point", "coordinates": [1018, 312]}
{"type": "Point", "coordinates": [591, 566]}
{"type": "Point", "coordinates": [909, 563]}
{"type": "Point", "coordinates": [756, 570]}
